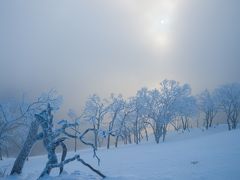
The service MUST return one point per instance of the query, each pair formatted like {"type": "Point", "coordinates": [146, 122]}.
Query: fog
{"type": "Point", "coordinates": [85, 47]}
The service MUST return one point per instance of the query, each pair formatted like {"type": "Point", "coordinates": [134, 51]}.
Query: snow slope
{"type": "Point", "coordinates": [213, 154]}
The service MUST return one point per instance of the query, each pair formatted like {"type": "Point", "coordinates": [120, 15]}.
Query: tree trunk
{"type": "Point", "coordinates": [157, 136]}
{"type": "Point", "coordinates": [164, 129]}
{"type": "Point", "coordinates": [1, 154]}
{"type": "Point", "coordinates": [108, 141]}
{"type": "Point", "coordinates": [207, 123]}
{"type": "Point", "coordinates": [75, 139]}
{"type": "Point", "coordinates": [228, 122]}
{"type": "Point", "coordinates": [158, 132]}
{"type": "Point", "coordinates": [234, 124]}
{"type": "Point", "coordinates": [140, 136]}
{"type": "Point", "coordinates": [75, 144]}
{"type": "Point", "coordinates": [184, 123]}
{"type": "Point", "coordinates": [136, 130]}
{"type": "Point", "coordinates": [116, 142]}
{"type": "Point", "coordinates": [210, 122]}
{"type": "Point", "coordinates": [95, 138]}
{"type": "Point", "coordinates": [157, 139]}
{"type": "Point", "coordinates": [146, 133]}
{"type": "Point", "coordinates": [22, 156]}
{"type": "Point", "coordinates": [129, 138]}
{"type": "Point", "coordinates": [187, 123]}
{"type": "Point", "coordinates": [110, 126]}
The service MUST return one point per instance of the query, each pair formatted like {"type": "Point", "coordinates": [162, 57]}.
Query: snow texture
{"type": "Point", "coordinates": [198, 154]}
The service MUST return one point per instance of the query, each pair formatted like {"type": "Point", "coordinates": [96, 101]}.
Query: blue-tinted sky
{"type": "Point", "coordinates": [80, 47]}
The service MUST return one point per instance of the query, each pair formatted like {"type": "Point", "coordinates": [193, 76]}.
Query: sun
{"type": "Point", "coordinates": [159, 22]}
{"type": "Point", "coordinates": [159, 31]}
{"type": "Point", "coordinates": [163, 21]}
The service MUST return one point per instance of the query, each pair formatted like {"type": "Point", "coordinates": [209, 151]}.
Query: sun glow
{"type": "Point", "coordinates": [154, 20]}
{"type": "Point", "coordinates": [159, 19]}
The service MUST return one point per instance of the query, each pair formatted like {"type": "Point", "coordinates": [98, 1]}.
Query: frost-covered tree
{"type": "Point", "coordinates": [13, 120]}
{"type": "Point", "coordinates": [163, 106]}
{"type": "Point", "coordinates": [73, 116]}
{"type": "Point", "coordinates": [139, 115]}
{"type": "Point", "coordinates": [8, 126]}
{"type": "Point", "coordinates": [208, 104]}
{"type": "Point", "coordinates": [15, 117]}
{"type": "Point", "coordinates": [52, 138]}
{"type": "Point", "coordinates": [229, 100]}
{"type": "Point", "coordinates": [115, 107]}
{"type": "Point", "coordinates": [94, 111]}
{"type": "Point", "coordinates": [128, 128]}
{"type": "Point", "coordinates": [29, 111]}
{"type": "Point", "coordinates": [121, 129]}
{"type": "Point", "coordinates": [186, 109]}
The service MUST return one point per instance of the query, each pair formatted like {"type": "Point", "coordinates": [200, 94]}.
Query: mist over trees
{"type": "Point", "coordinates": [16, 118]}
{"type": "Point", "coordinates": [171, 106]}
{"type": "Point", "coordinates": [209, 106]}
{"type": "Point", "coordinates": [228, 97]}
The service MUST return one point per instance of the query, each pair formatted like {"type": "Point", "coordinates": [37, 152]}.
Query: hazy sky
{"type": "Point", "coordinates": [80, 47]}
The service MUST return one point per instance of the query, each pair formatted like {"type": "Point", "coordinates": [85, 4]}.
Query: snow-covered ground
{"type": "Point", "coordinates": [212, 154]}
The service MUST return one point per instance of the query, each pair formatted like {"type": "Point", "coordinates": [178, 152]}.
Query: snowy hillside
{"type": "Point", "coordinates": [213, 154]}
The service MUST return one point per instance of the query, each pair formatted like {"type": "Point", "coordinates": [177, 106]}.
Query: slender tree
{"type": "Point", "coordinates": [208, 105]}
{"type": "Point", "coordinates": [94, 112]}
{"type": "Point", "coordinates": [115, 107]}
{"type": "Point", "coordinates": [229, 101]}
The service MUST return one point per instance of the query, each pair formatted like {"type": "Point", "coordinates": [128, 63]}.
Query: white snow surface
{"type": "Point", "coordinates": [198, 154]}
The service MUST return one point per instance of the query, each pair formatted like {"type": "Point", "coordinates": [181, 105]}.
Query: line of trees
{"type": "Point", "coordinates": [157, 110]}
{"type": "Point", "coordinates": [117, 119]}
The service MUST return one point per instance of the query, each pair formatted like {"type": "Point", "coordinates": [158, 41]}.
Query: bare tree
{"type": "Point", "coordinates": [121, 124]}
{"type": "Point", "coordinates": [54, 138]}
{"type": "Point", "coordinates": [29, 111]}
{"type": "Point", "coordinates": [229, 100]}
{"type": "Point", "coordinates": [16, 116]}
{"type": "Point", "coordinates": [94, 112]}
{"type": "Point", "coordinates": [163, 106]}
{"type": "Point", "coordinates": [208, 105]}
{"type": "Point", "coordinates": [187, 109]}
{"type": "Point", "coordinates": [115, 107]}
{"type": "Point", "coordinates": [137, 117]}
{"type": "Point", "coordinates": [10, 124]}
{"type": "Point", "coordinates": [76, 119]}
